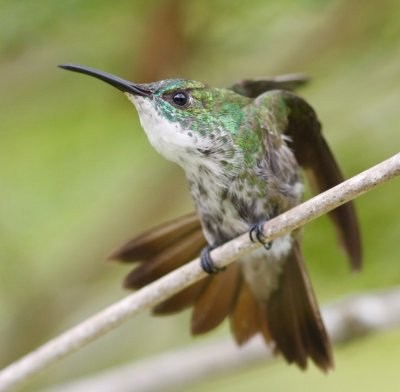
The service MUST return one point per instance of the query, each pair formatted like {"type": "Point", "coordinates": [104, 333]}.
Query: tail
{"type": "Point", "coordinates": [290, 318]}
{"type": "Point", "coordinates": [294, 319]}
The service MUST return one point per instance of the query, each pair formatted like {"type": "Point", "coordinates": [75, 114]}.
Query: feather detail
{"type": "Point", "coordinates": [294, 319]}
{"type": "Point", "coordinates": [182, 300]}
{"type": "Point", "coordinates": [304, 137]}
{"type": "Point", "coordinates": [216, 301]}
{"type": "Point", "coordinates": [244, 319]}
{"type": "Point", "coordinates": [252, 88]}
{"type": "Point", "coordinates": [263, 323]}
{"type": "Point", "coordinates": [166, 261]}
{"type": "Point", "coordinates": [156, 239]}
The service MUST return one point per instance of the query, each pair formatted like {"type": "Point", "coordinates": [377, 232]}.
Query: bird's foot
{"type": "Point", "coordinates": [257, 235]}
{"type": "Point", "coordinates": [207, 263]}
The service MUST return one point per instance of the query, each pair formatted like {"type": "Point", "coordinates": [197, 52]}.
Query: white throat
{"type": "Point", "coordinates": [167, 137]}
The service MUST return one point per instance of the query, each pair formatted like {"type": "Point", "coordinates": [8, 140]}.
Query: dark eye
{"type": "Point", "coordinates": [180, 98]}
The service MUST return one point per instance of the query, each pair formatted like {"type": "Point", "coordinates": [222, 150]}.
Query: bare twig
{"type": "Point", "coordinates": [79, 336]}
{"type": "Point", "coordinates": [346, 320]}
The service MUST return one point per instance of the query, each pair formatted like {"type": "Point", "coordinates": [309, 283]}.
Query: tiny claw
{"type": "Point", "coordinates": [207, 263]}
{"type": "Point", "coordinates": [258, 231]}
{"type": "Point", "coordinates": [268, 245]}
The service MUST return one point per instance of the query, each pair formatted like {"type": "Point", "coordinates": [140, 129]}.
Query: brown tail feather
{"type": "Point", "coordinates": [182, 300]}
{"type": "Point", "coordinates": [294, 319]}
{"type": "Point", "coordinates": [216, 301]}
{"type": "Point", "coordinates": [156, 239]}
{"type": "Point", "coordinates": [290, 317]}
{"type": "Point", "coordinates": [244, 318]}
{"type": "Point", "coordinates": [263, 322]}
{"type": "Point", "coordinates": [166, 261]}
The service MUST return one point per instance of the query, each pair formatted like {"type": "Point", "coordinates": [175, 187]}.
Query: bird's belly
{"type": "Point", "coordinates": [224, 219]}
{"type": "Point", "coordinates": [221, 221]}
{"type": "Point", "coordinates": [232, 223]}
{"type": "Point", "coordinates": [263, 267]}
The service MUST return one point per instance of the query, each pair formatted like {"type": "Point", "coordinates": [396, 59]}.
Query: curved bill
{"type": "Point", "coordinates": [120, 84]}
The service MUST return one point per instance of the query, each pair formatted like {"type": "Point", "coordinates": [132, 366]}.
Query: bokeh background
{"type": "Point", "coordinates": [78, 177]}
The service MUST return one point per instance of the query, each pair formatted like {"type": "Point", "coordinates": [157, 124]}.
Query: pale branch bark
{"type": "Point", "coordinates": [346, 320]}
{"type": "Point", "coordinates": [98, 325]}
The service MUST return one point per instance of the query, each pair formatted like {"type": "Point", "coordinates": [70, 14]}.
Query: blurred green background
{"type": "Point", "coordinates": [78, 177]}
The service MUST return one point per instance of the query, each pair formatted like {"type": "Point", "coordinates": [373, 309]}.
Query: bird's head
{"type": "Point", "coordinates": [184, 120]}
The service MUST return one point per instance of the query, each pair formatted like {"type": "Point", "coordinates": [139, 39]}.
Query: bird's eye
{"type": "Point", "coordinates": [180, 98]}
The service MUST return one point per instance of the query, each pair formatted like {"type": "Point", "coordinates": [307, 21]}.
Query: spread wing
{"type": "Point", "coordinates": [252, 88]}
{"type": "Point", "coordinates": [295, 118]}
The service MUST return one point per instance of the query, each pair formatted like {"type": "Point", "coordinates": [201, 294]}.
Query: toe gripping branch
{"type": "Point", "coordinates": [207, 263]}
{"type": "Point", "coordinates": [256, 235]}
{"type": "Point", "coordinates": [257, 231]}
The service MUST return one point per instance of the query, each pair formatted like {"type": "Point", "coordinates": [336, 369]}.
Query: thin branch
{"type": "Point", "coordinates": [346, 320]}
{"type": "Point", "coordinates": [113, 316]}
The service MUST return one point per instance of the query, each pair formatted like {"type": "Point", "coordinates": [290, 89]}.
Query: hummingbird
{"type": "Point", "coordinates": [242, 148]}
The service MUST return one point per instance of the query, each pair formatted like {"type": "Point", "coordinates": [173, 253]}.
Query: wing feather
{"type": "Point", "coordinates": [252, 88]}
{"type": "Point", "coordinates": [298, 121]}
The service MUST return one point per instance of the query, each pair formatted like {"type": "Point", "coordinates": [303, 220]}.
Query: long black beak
{"type": "Point", "coordinates": [120, 84]}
